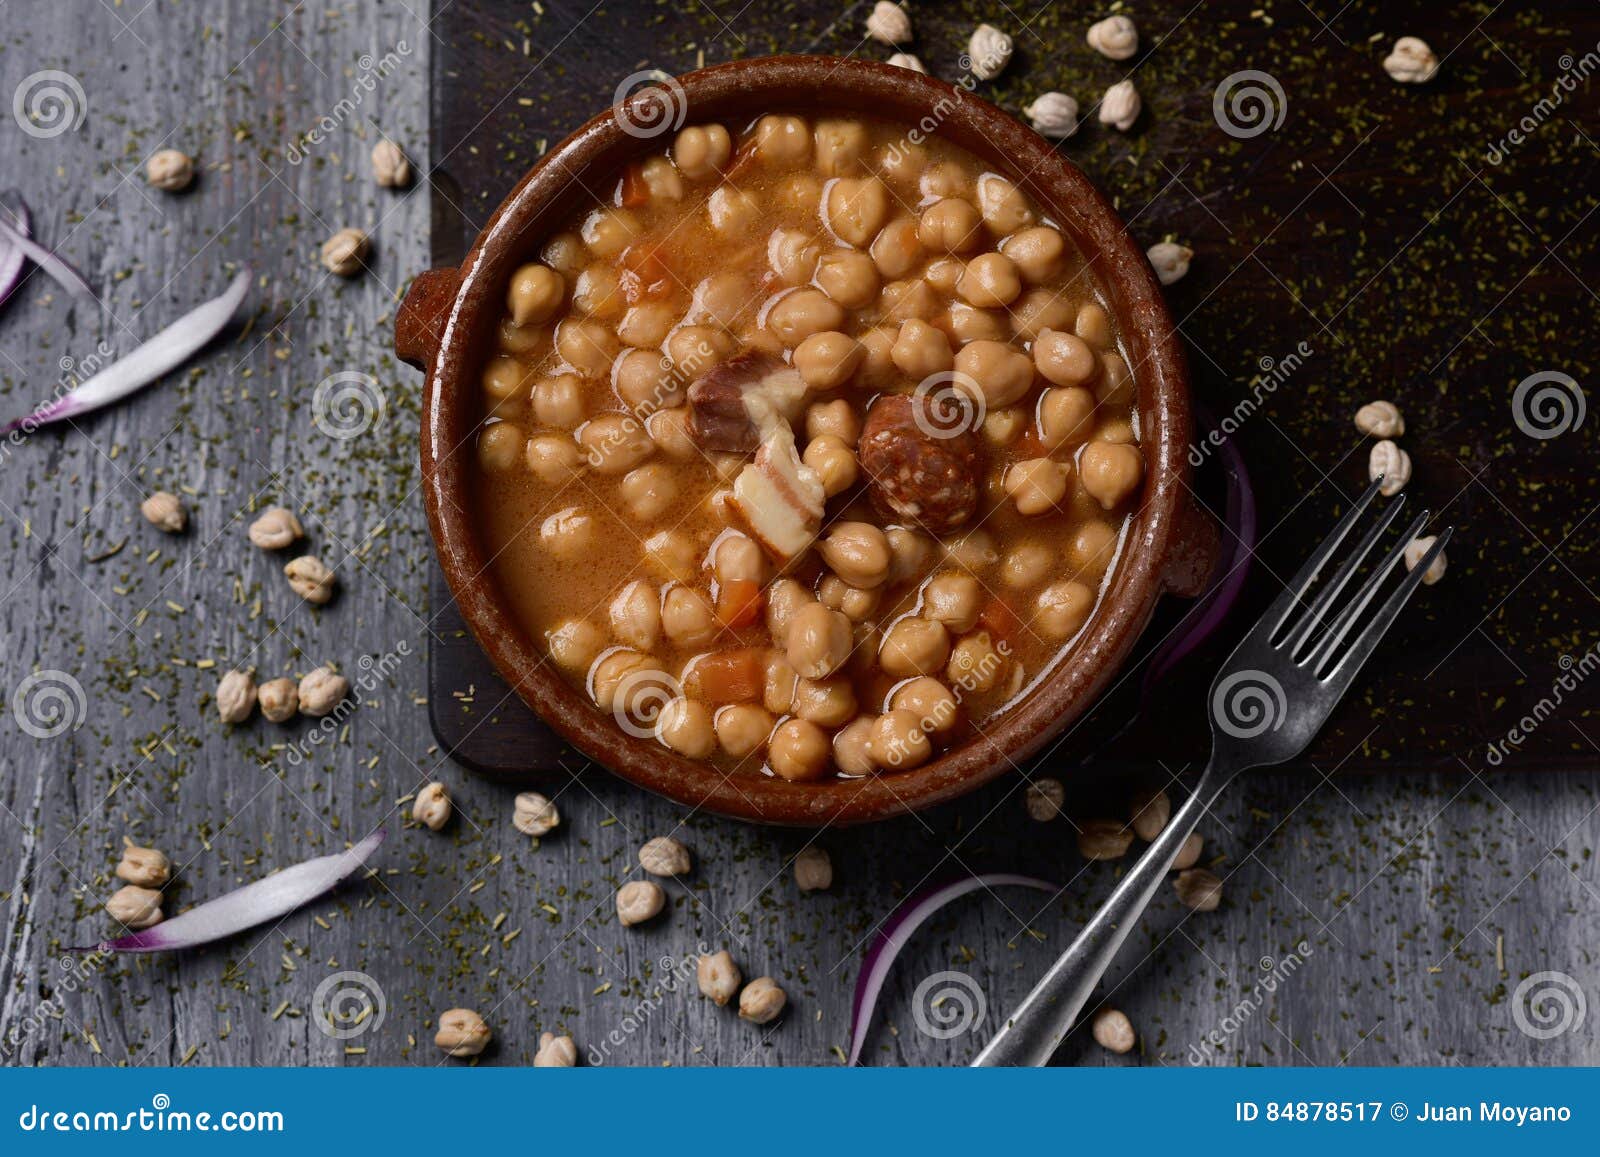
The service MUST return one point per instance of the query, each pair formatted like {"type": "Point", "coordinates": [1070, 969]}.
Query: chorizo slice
{"type": "Point", "coordinates": [919, 470]}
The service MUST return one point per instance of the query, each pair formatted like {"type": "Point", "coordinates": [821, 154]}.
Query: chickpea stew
{"type": "Point", "coordinates": [810, 450]}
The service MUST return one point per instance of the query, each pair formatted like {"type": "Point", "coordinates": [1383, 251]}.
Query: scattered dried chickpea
{"type": "Point", "coordinates": [1104, 840]}
{"type": "Point", "coordinates": [279, 699]}
{"type": "Point", "coordinates": [432, 806]}
{"type": "Point", "coordinates": [1189, 854]}
{"type": "Point", "coordinates": [1054, 115]}
{"type": "Point", "coordinates": [1419, 547]}
{"type": "Point", "coordinates": [533, 815]}
{"type": "Point", "coordinates": [1044, 798]}
{"type": "Point", "coordinates": [462, 1033]}
{"type": "Point", "coordinates": [555, 1052]}
{"type": "Point", "coordinates": [1170, 261]}
{"type": "Point", "coordinates": [144, 867]}
{"type": "Point", "coordinates": [761, 1001]}
{"type": "Point", "coordinates": [1381, 420]}
{"type": "Point", "coordinates": [390, 167]}
{"type": "Point", "coordinates": [1113, 1030]}
{"type": "Point", "coordinates": [236, 696]}
{"type": "Point", "coordinates": [1120, 106]}
{"type": "Point", "coordinates": [345, 252]}
{"type": "Point", "coordinates": [908, 61]}
{"type": "Point", "coordinates": [321, 691]}
{"type": "Point", "coordinates": [1392, 464]}
{"type": "Point", "coordinates": [1411, 61]}
{"type": "Point", "coordinates": [664, 856]}
{"type": "Point", "coordinates": [1198, 889]}
{"type": "Point", "coordinates": [164, 511]}
{"type": "Point", "coordinates": [134, 907]}
{"type": "Point", "coordinates": [311, 579]}
{"type": "Point", "coordinates": [889, 23]}
{"type": "Point", "coordinates": [638, 901]}
{"type": "Point", "coordinates": [276, 528]}
{"type": "Point", "coordinates": [718, 977]}
{"type": "Point", "coordinates": [170, 170]}
{"type": "Point", "coordinates": [1150, 812]}
{"type": "Point", "coordinates": [1115, 38]}
{"type": "Point", "coordinates": [813, 870]}
{"type": "Point", "coordinates": [988, 52]}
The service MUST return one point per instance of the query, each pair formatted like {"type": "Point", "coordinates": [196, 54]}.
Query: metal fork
{"type": "Point", "coordinates": [1271, 697]}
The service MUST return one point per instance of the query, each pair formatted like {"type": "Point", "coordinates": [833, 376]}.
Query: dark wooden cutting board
{"type": "Point", "coordinates": [1382, 241]}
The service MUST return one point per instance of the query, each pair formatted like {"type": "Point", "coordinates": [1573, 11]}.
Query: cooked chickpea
{"type": "Point", "coordinates": [599, 292]}
{"type": "Point", "coordinates": [694, 349]}
{"type": "Point", "coordinates": [850, 278]}
{"type": "Point", "coordinates": [574, 645]}
{"type": "Point", "coordinates": [687, 617]}
{"type": "Point", "coordinates": [954, 599]}
{"type": "Point", "coordinates": [1039, 310]}
{"type": "Point", "coordinates": [610, 674]}
{"type": "Point", "coordinates": [973, 550]}
{"type": "Point", "coordinates": [782, 140]}
{"type": "Point", "coordinates": [1114, 430]}
{"type": "Point", "coordinates": [898, 741]}
{"type": "Point", "coordinates": [854, 603]}
{"type": "Point", "coordinates": [505, 385]}
{"type": "Point", "coordinates": [685, 726]}
{"type": "Point", "coordinates": [778, 684]}
{"type": "Point", "coordinates": [897, 249]}
{"type": "Point", "coordinates": [901, 300]}
{"type": "Point", "coordinates": [799, 750]}
{"type": "Point", "coordinates": [950, 226]}
{"type": "Point", "coordinates": [672, 554]}
{"type": "Point", "coordinates": [784, 600]}
{"type": "Point", "coordinates": [607, 232]}
{"type": "Point", "coordinates": [1110, 471]}
{"type": "Point", "coordinates": [975, 662]}
{"type": "Point", "coordinates": [732, 212]}
{"type": "Point", "coordinates": [1003, 427]}
{"type": "Point", "coordinates": [921, 350]}
{"type": "Point", "coordinates": [565, 253]}
{"type": "Point", "coordinates": [835, 418]}
{"type": "Point", "coordinates": [1116, 381]}
{"type": "Point", "coordinates": [558, 401]}
{"type": "Point", "coordinates": [799, 193]}
{"type": "Point", "coordinates": [721, 299]}
{"type": "Point", "coordinates": [1091, 550]}
{"type": "Point", "coordinates": [1027, 565]}
{"type": "Point", "coordinates": [649, 491]}
{"type": "Point", "coordinates": [856, 209]}
{"type": "Point", "coordinates": [840, 147]}
{"type": "Point", "coordinates": [646, 325]}
{"type": "Point", "coordinates": [944, 179]}
{"type": "Point", "coordinates": [1063, 608]}
{"type": "Point", "coordinates": [858, 552]}
{"type": "Point", "coordinates": [902, 161]}
{"type": "Point", "coordinates": [966, 323]}
{"type": "Point", "coordinates": [1093, 325]}
{"type": "Point", "coordinates": [516, 339]}
{"type": "Point", "coordinates": [990, 281]}
{"type": "Point", "coordinates": [1064, 358]}
{"type": "Point", "coordinates": [914, 646]}
{"type": "Point", "coordinates": [643, 384]}
{"type": "Point", "coordinates": [569, 534]}
{"type": "Point", "coordinates": [1066, 416]}
{"type": "Point", "coordinates": [554, 459]}
{"type": "Point", "coordinates": [636, 615]}
{"type": "Point", "coordinates": [1037, 484]}
{"type": "Point", "coordinates": [935, 708]}
{"type": "Point", "coordinates": [793, 256]}
{"type": "Point", "coordinates": [742, 728]}
{"type": "Point", "coordinates": [1003, 374]}
{"type": "Point", "coordinates": [818, 641]}
{"type": "Point", "coordinates": [825, 702]}
{"type": "Point", "coordinates": [702, 151]}
{"type": "Point", "coordinates": [536, 292]}
{"type": "Point", "coordinates": [500, 447]}
{"type": "Point", "coordinates": [852, 746]}
{"type": "Point", "coordinates": [797, 315]}
{"type": "Point", "coordinates": [664, 182]}
{"type": "Point", "coordinates": [912, 551]}
{"type": "Point", "coordinates": [1039, 253]}
{"type": "Point", "coordinates": [614, 443]}
{"type": "Point", "coordinates": [669, 429]}
{"type": "Point", "coordinates": [827, 359]}
{"type": "Point", "coordinates": [737, 558]}
{"type": "Point", "coordinates": [834, 462]}
{"type": "Point", "coordinates": [877, 363]}
{"type": "Point", "coordinates": [587, 346]}
{"type": "Point", "coordinates": [1004, 206]}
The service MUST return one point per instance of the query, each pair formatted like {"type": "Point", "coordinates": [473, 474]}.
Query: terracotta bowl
{"type": "Point", "coordinates": [446, 325]}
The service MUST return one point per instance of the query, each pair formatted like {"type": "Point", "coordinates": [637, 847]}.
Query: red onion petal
{"type": "Point", "coordinates": [14, 213]}
{"type": "Point", "coordinates": [155, 358]}
{"type": "Point", "coordinates": [897, 930]}
{"type": "Point", "coordinates": [58, 270]}
{"type": "Point", "coordinates": [266, 899]}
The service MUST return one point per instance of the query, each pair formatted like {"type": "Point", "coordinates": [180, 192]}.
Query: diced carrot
{"type": "Point", "coordinates": [739, 603]}
{"type": "Point", "coordinates": [1001, 620]}
{"type": "Point", "coordinates": [733, 676]}
{"type": "Point", "coordinates": [645, 273]}
{"type": "Point", "coordinates": [634, 192]}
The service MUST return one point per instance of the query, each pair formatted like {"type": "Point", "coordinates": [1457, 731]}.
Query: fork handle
{"type": "Point", "coordinates": [1033, 1032]}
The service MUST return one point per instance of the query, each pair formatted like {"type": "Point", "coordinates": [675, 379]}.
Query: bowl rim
{"type": "Point", "coordinates": [1150, 559]}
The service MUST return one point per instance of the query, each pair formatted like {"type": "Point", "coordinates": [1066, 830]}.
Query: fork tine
{"type": "Point", "coordinates": [1319, 656]}
{"type": "Point", "coordinates": [1278, 613]}
{"type": "Point", "coordinates": [1345, 669]}
{"type": "Point", "coordinates": [1331, 590]}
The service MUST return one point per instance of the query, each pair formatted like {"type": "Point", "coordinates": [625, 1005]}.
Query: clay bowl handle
{"type": "Point", "coordinates": [1195, 551]}
{"type": "Point", "coordinates": [419, 325]}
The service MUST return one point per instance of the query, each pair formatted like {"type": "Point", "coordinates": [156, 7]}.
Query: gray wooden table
{"type": "Point", "coordinates": [1377, 920]}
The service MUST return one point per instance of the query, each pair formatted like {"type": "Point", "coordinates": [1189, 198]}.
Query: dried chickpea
{"type": "Point", "coordinates": [1066, 415]}
{"type": "Point", "coordinates": [1104, 840]}
{"type": "Point", "coordinates": [1044, 798]}
{"type": "Point", "coordinates": [462, 1033]}
{"type": "Point", "coordinates": [638, 901]}
{"type": "Point", "coordinates": [914, 646]}
{"type": "Point", "coordinates": [236, 696]}
{"type": "Point", "coordinates": [742, 728]}
{"type": "Point", "coordinates": [898, 741]}
{"type": "Point", "coordinates": [1198, 889]}
{"type": "Point", "coordinates": [702, 151]}
{"type": "Point", "coordinates": [1062, 609]}
{"type": "Point", "coordinates": [836, 419]}
{"type": "Point", "coordinates": [1112, 1030]}
{"type": "Point", "coordinates": [432, 806]}
{"type": "Point", "coordinates": [897, 250]}
{"type": "Point", "coordinates": [321, 691]}
{"type": "Point", "coordinates": [827, 359]}
{"type": "Point", "coordinates": [813, 870]}
{"type": "Point", "coordinates": [920, 350]}
{"type": "Point", "coordinates": [950, 226]}
{"type": "Point", "coordinates": [1151, 809]}
{"type": "Point", "coordinates": [990, 281]}
{"type": "Point", "coordinates": [852, 746]}
{"type": "Point", "coordinates": [817, 640]}
{"type": "Point", "coordinates": [1003, 374]}
{"type": "Point", "coordinates": [856, 208]}
{"type": "Point", "coordinates": [1064, 358]}
{"type": "Point", "coordinates": [1189, 853]}
{"type": "Point", "coordinates": [276, 528]}
{"type": "Point", "coordinates": [1038, 253]}
{"type": "Point", "coordinates": [685, 726]}
{"type": "Point", "coordinates": [761, 1001]}
{"type": "Point", "coordinates": [718, 977]}
{"type": "Point", "coordinates": [799, 750]}
{"type": "Point", "coordinates": [930, 701]}
{"type": "Point", "coordinates": [850, 278]}
{"type": "Point", "coordinates": [954, 599]}
{"type": "Point", "coordinates": [1110, 471]}
{"type": "Point", "coordinates": [858, 552]}
{"type": "Point", "coordinates": [135, 908]}
{"type": "Point", "coordinates": [1037, 485]}
{"type": "Point", "coordinates": [834, 462]}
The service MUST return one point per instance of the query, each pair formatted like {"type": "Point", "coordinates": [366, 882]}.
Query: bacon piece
{"type": "Point", "coordinates": [779, 497]}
